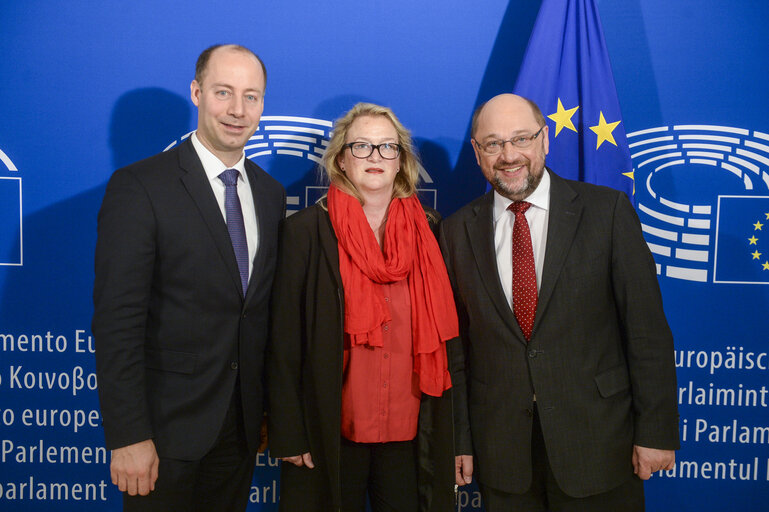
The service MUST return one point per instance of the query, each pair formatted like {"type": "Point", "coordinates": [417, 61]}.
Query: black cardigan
{"type": "Point", "coordinates": [304, 372]}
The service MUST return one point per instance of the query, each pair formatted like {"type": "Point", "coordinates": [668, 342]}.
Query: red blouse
{"type": "Point", "coordinates": [380, 391]}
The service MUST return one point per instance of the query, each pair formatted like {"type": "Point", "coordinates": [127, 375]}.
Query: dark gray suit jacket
{"type": "Point", "coordinates": [600, 359]}
{"type": "Point", "coordinates": [171, 326]}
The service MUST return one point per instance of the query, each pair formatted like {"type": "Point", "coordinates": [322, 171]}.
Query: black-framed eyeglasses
{"type": "Point", "coordinates": [493, 147]}
{"type": "Point", "coordinates": [387, 150]}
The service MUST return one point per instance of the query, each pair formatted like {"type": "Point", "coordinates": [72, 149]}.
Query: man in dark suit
{"type": "Point", "coordinates": [185, 258]}
{"type": "Point", "coordinates": [571, 375]}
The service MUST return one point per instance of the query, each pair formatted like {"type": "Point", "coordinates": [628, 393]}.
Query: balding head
{"type": "Point", "coordinates": [506, 101]}
{"type": "Point", "coordinates": [201, 65]}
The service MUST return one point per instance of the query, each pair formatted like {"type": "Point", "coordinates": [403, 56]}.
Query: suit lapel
{"type": "Point", "coordinates": [565, 214]}
{"type": "Point", "coordinates": [480, 231]}
{"type": "Point", "coordinates": [260, 209]}
{"type": "Point", "coordinates": [196, 182]}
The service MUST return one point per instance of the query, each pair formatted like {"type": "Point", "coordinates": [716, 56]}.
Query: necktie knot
{"type": "Point", "coordinates": [519, 206]}
{"type": "Point", "coordinates": [230, 177]}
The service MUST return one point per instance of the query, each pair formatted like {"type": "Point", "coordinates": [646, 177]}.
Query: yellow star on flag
{"type": "Point", "coordinates": [767, 216]}
{"type": "Point", "coordinates": [562, 118]}
{"type": "Point", "coordinates": [756, 255]}
{"type": "Point", "coordinates": [603, 130]}
{"type": "Point", "coordinates": [766, 265]}
{"type": "Point", "coordinates": [757, 226]}
{"type": "Point", "coordinates": [752, 240]}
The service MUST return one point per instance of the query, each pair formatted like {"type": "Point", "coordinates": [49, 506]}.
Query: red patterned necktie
{"type": "Point", "coordinates": [524, 273]}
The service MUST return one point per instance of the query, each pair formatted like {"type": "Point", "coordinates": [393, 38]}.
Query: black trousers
{"type": "Point", "coordinates": [220, 481]}
{"type": "Point", "coordinates": [387, 472]}
{"type": "Point", "coordinates": [545, 494]}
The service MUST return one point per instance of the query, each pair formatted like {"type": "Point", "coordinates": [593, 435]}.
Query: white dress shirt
{"type": "Point", "coordinates": [537, 216]}
{"type": "Point", "coordinates": [214, 167]}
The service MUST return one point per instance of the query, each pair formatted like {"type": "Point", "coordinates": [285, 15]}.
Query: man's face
{"type": "Point", "coordinates": [230, 101]}
{"type": "Point", "coordinates": [513, 172]}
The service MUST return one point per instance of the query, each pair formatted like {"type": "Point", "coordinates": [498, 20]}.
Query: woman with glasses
{"type": "Point", "coordinates": [363, 314]}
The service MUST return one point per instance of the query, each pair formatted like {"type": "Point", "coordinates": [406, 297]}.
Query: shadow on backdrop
{"type": "Point", "coordinates": [634, 77]}
{"type": "Point", "coordinates": [144, 122]}
{"type": "Point", "coordinates": [626, 36]}
{"type": "Point", "coordinates": [466, 181]}
{"type": "Point", "coordinates": [437, 163]}
{"type": "Point", "coordinates": [59, 240]}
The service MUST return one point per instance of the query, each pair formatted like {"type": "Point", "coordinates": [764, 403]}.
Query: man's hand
{"type": "Point", "coordinates": [304, 459]}
{"type": "Point", "coordinates": [650, 460]}
{"type": "Point", "coordinates": [463, 469]}
{"type": "Point", "coordinates": [134, 468]}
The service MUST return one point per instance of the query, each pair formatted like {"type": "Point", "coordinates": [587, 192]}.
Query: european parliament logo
{"type": "Point", "coordinates": [281, 140]}
{"type": "Point", "coordinates": [702, 193]}
{"type": "Point", "coordinates": [11, 240]}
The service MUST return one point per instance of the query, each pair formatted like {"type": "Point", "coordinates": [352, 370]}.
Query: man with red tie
{"type": "Point", "coordinates": [571, 375]}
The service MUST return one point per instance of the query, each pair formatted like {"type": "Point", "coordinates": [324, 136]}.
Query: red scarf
{"type": "Point", "coordinates": [410, 251]}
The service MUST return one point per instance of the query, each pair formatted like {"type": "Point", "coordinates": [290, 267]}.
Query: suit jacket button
{"type": "Point", "coordinates": [532, 353]}
{"type": "Point", "coordinates": [234, 365]}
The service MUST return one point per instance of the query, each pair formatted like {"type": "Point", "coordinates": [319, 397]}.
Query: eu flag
{"type": "Point", "coordinates": [566, 71]}
{"type": "Point", "coordinates": [742, 240]}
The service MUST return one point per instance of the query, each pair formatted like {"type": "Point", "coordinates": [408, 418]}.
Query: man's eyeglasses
{"type": "Point", "coordinates": [493, 147]}
{"type": "Point", "coordinates": [387, 150]}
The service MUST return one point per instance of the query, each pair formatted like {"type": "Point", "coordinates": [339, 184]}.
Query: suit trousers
{"type": "Point", "coordinates": [220, 481]}
{"type": "Point", "coordinates": [545, 495]}
{"type": "Point", "coordinates": [387, 471]}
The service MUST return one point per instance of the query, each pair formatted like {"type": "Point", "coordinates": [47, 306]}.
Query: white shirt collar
{"type": "Point", "coordinates": [211, 163]}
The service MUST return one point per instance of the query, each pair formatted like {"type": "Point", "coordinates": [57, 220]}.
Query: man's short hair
{"type": "Point", "coordinates": [202, 63]}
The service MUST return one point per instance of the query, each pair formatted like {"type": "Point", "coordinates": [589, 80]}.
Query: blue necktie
{"type": "Point", "coordinates": [235, 223]}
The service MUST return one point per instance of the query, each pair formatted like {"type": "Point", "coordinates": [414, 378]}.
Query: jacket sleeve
{"type": "Point", "coordinates": [124, 262]}
{"type": "Point", "coordinates": [647, 336]}
{"type": "Point", "coordinates": [456, 355]}
{"type": "Point", "coordinates": [287, 434]}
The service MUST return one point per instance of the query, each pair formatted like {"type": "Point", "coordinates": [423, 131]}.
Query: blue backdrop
{"type": "Point", "coordinates": [88, 87]}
